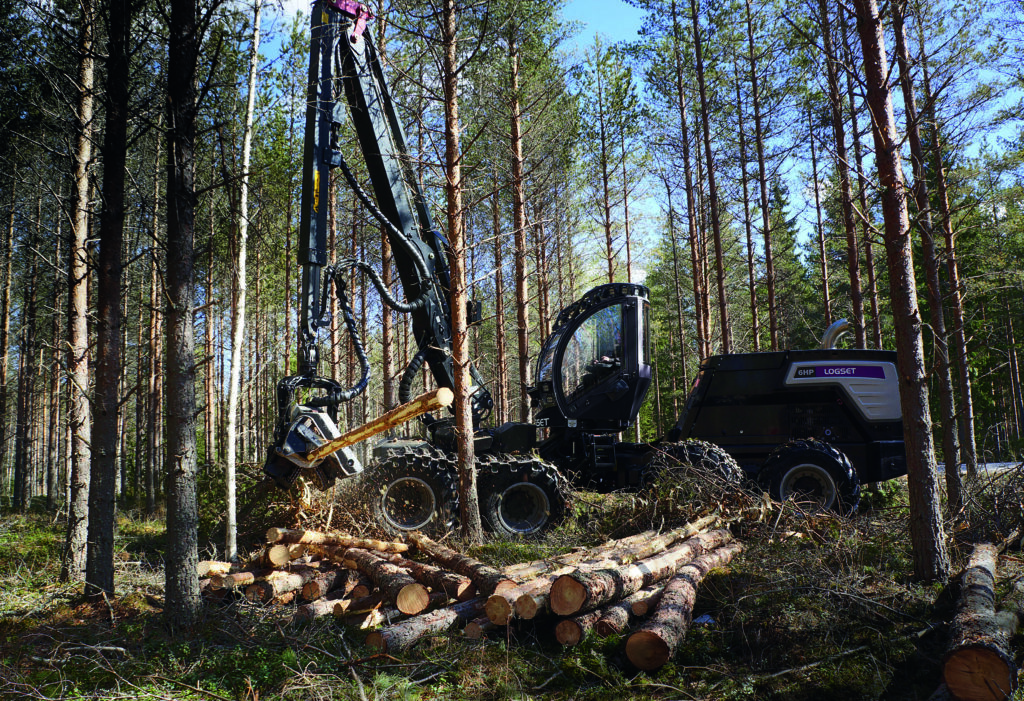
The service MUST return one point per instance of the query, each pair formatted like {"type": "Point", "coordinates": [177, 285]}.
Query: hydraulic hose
{"type": "Point", "coordinates": [343, 395]}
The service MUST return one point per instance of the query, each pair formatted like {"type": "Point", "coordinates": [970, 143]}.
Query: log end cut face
{"type": "Point", "coordinates": [979, 673]}
{"type": "Point", "coordinates": [567, 596]}
{"type": "Point", "coordinates": [647, 651]}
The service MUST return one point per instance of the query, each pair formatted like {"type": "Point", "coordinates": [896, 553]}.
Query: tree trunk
{"type": "Point", "coordinates": [5, 325]}
{"type": "Point", "coordinates": [397, 585]}
{"type": "Point", "coordinates": [280, 583]}
{"type": "Point", "coordinates": [53, 397]}
{"type": "Point", "coordinates": [288, 535]}
{"type": "Point", "coordinates": [716, 226]}
{"type": "Point", "coordinates": [79, 409]}
{"type": "Point", "coordinates": [210, 370]}
{"type": "Point", "coordinates": [519, 227]}
{"type": "Point", "coordinates": [762, 179]}
{"type": "Point", "coordinates": [862, 200]}
{"type": "Point", "coordinates": [342, 581]}
{"type": "Point", "coordinates": [755, 327]}
{"type": "Point", "coordinates": [826, 301]}
{"type": "Point", "coordinates": [703, 338]}
{"type": "Point", "coordinates": [99, 569]}
{"type": "Point", "coordinates": [570, 631]}
{"type": "Point", "coordinates": [979, 664]}
{"type": "Point", "coordinates": [1017, 394]}
{"type": "Point", "coordinates": [615, 619]}
{"type": "Point", "coordinates": [603, 145]}
{"type": "Point", "coordinates": [472, 527]}
{"type": "Point", "coordinates": [643, 605]}
{"type": "Point", "coordinates": [455, 586]}
{"type": "Point", "coordinates": [182, 584]}
{"type": "Point", "coordinates": [501, 408]}
{"type": "Point", "coordinates": [931, 560]}
{"type": "Point", "coordinates": [241, 287]}
{"type": "Point", "coordinates": [843, 169]}
{"type": "Point", "coordinates": [27, 370]}
{"type": "Point", "coordinates": [950, 445]}
{"type": "Point", "coordinates": [155, 369]}
{"type": "Point", "coordinates": [654, 644]}
{"type": "Point", "coordinates": [678, 362]}
{"type": "Point", "coordinates": [321, 606]}
{"type": "Point", "coordinates": [968, 445]}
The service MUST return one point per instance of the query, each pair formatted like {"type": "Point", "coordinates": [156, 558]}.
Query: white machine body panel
{"type": "Point", "coordinates": [873, 387]}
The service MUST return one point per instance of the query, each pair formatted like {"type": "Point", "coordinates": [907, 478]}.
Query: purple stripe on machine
{"type": "Point", "coordinates": [839, 371]}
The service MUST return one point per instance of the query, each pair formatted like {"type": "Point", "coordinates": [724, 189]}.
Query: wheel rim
{"type": "Point", "coordinates": [810, 485]}
{"type": "Point", "coordinates": [524, 508]}
{"type": "Point", "coordinates": [408, 503]}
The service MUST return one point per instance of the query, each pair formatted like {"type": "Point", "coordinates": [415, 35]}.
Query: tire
{"type": "Point", "coordinates": [814, 474]}
{"type": "Point", "coordinates": [520, 495]}
{"type": "Point", "coordinates": [413, 491]}
{"type": "Point", "coordinates": [706, 457]}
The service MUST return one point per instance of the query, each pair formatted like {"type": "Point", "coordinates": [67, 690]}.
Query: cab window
{"type": "Point", "coordinates": [594, 353]}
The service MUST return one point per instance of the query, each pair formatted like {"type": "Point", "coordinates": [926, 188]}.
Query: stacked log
{"type": "Point", "coordinates": [373, 583]}
{"type": "Point", "coordinates": [331, 580]}
{"type": "Point", "coordinates": [304, 537]}
{"type": "Point", "coordinates": [570, 631]}
{"type": "Point", "coordinates": [532, 598]}
{"type": "Point", "coordinates": [656, 641]}
{"type": "Point", "coordinates": [407, 633]}
{"type": "Point", "coordinates": [979, 663]}
{"type": "Point", "coordinates": [279, 583]}
{"type": "Point", "coordinates": [488, 580]}
{"type": "Point", "coordinates": [585, 590]}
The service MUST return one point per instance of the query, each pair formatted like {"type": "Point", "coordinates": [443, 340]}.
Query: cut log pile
{"type": "Point", "coordinates": [378, 584]}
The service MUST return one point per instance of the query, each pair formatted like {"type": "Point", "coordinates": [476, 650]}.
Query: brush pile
{"type": "Point", "coordinates": [646, 583]}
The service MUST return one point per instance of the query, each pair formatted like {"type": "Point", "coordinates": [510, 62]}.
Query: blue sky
{"type": "Point", "coordinates": [612, 18]}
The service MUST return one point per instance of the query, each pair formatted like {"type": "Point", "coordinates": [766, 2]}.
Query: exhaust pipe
{"type": "Point", "coordinates": [833, 333]}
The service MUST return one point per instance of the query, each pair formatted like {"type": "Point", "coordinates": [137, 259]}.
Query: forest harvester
{"type": "Point", "coordinates": [593, 371]}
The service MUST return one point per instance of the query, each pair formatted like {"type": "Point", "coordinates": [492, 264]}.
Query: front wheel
{"type": "Point", "coordinates": [814, 474]}
{"type": "Point", "coordinates": [413, 491]}
{"type": "Point", "coordinates": [520, 495]}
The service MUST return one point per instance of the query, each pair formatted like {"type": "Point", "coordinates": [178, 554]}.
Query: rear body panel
{"type": "Point", "coordinates": [751, 403]}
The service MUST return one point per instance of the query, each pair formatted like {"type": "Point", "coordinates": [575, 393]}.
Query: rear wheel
{"type": "Point", "coordinates": [814, 475]}
{"type": "Point", "coordinates": [706, 457]}
{"type": "Point", "coordinates": [520, 495]}
{"type": "Point", "coordinates": [413, 491]}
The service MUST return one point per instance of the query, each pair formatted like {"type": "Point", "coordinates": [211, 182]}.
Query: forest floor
{"type": "Point", "coordinates": [817, 607]}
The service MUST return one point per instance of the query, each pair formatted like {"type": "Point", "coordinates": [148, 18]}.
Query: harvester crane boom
{"type": "Point", "coordinates": [344, 69]}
